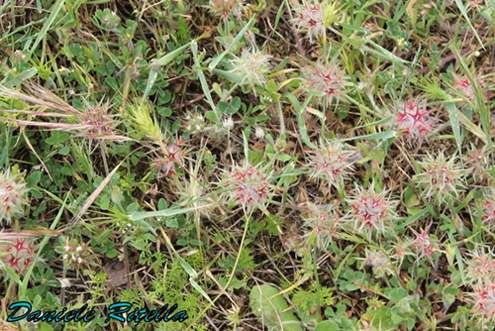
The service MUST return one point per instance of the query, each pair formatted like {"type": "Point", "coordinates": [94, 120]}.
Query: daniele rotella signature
{"type": "Point", "coordinates": [116, 312]}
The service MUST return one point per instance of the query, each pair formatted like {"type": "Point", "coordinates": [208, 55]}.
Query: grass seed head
{"type": "Point", "coordinates": [12, 190]}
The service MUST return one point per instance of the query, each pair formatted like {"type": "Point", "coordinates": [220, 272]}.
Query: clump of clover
{"type": "Point", "coordinates": [440, 178]}
{"type": "Point", "coordinates": [18, 254]}
{"type": "Point", "coordinates": [321, 226]}
{"type": "Point", "coordinates": [413, 120]}
{"type": "Point", "coordinates": [371, 212]}
{"type": "Point", "coordinates": [332, 163]}
{"type": "Point", "coordinates": [12, 190]}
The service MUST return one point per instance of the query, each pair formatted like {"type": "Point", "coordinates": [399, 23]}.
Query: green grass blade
{"type": "Point", "coordinates": [461, 7]}
{"type": "Point", "coordinates": [378, 136]}
{"type": "Point", "coordinates": [55, 10]}
{"type": "Point", "coordinates": [201, 75]}
{"type": "Point", "coordinates": [454, 122]}
{"type": "Point", "coordinates": [219, 58]}
{"type": "Point", "coordinates": [149, 84]}
{"type": "Point", "coordinates": [279, 13]}
{"type": "Point", "coordinates": [300, 118]}
{"type": "Point", "coordinates": [166, 59]}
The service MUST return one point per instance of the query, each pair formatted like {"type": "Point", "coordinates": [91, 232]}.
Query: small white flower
{"type": "Point", "coordinates": [65, 257]}
{"type": "Point", "coordinates": [67, 247]}
{"type": "Point", "coordinates": [259, 132]}
{"type": "Point", "coordinates": [78, 249]}
{"type": "Point", "coordinates": [79, 260]}
{"type": "Point", "coordinates": [228, 123]}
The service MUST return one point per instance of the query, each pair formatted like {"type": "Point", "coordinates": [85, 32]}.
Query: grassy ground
{"type": "Point", "coordinates": [266, 165]}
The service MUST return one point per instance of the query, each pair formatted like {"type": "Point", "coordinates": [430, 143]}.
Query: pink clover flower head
{"type": "Point", "coordinates": [329, 79]}
{"type": "Point", "coordinates": [463, 85]}
{"type": "Point", "coordinates": [488, 208]}
{"type": "Point", "coordinates": [167, 165]}
{"type": "Point", "coordinates": [332, 163]}
{"type": "Point", "coordinates": [484, 298]}
{"type": "Point", "coordinates": [440, 177]}
{"type": "Point", "coordinates": [379, 261]}
{"type": "Point", "coordinates": [371, 211]}
{"type": "Point", "coordinates": [74, 254]}
{"type": "Point", "coordinates": [480, 268]}
{"type": "Point", "coordinates": [99, 123]}
{"type": "Point", "coordinates": [309, 18]}
{"type": "Point", "coordinates": [476, 160]}
{"type": "Point", "coordinates": [252, 65]}
{"type": "Point", "coordinates": [414, 120]}
{"type": "Point", "coordinates": [323, 224]}
{"type": "Point", "coordinates": [18, 254]}
{"type": "Point", "coordinates": [247, 186]}
{"type": "Point", "coordinates": [224, 8]}
{"type": "Point", "coordinates": [12, 190]}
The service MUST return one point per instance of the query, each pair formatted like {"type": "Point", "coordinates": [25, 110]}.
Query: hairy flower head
{"type": "Point", "coordinates": [252, 65]}
{"type": "Point", "coordinates": [12, 190]}
{"type": "Point", "coordinates": [326, 78]}
{"type": "Point", "coordinates": [414, 120]}
{"type": "Point", "coordinates": [313, 17]}
{"type": "Point", "coordinates": [224, 8]}
{"type": "Point", "coordinates": [440, 177]}
{"type": "Point", "coordinates": [332, 163]}
{"type": "Point", "coordinates": [476, 160]}
{"type": "Point", "coordinates": [371, 211]}
{"type": "Point", "coordinates": [18, 254]}
{"type": "Point", "coordinates": [247, 186]}
{"type": "Point", "coordinates": [322, 225]}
